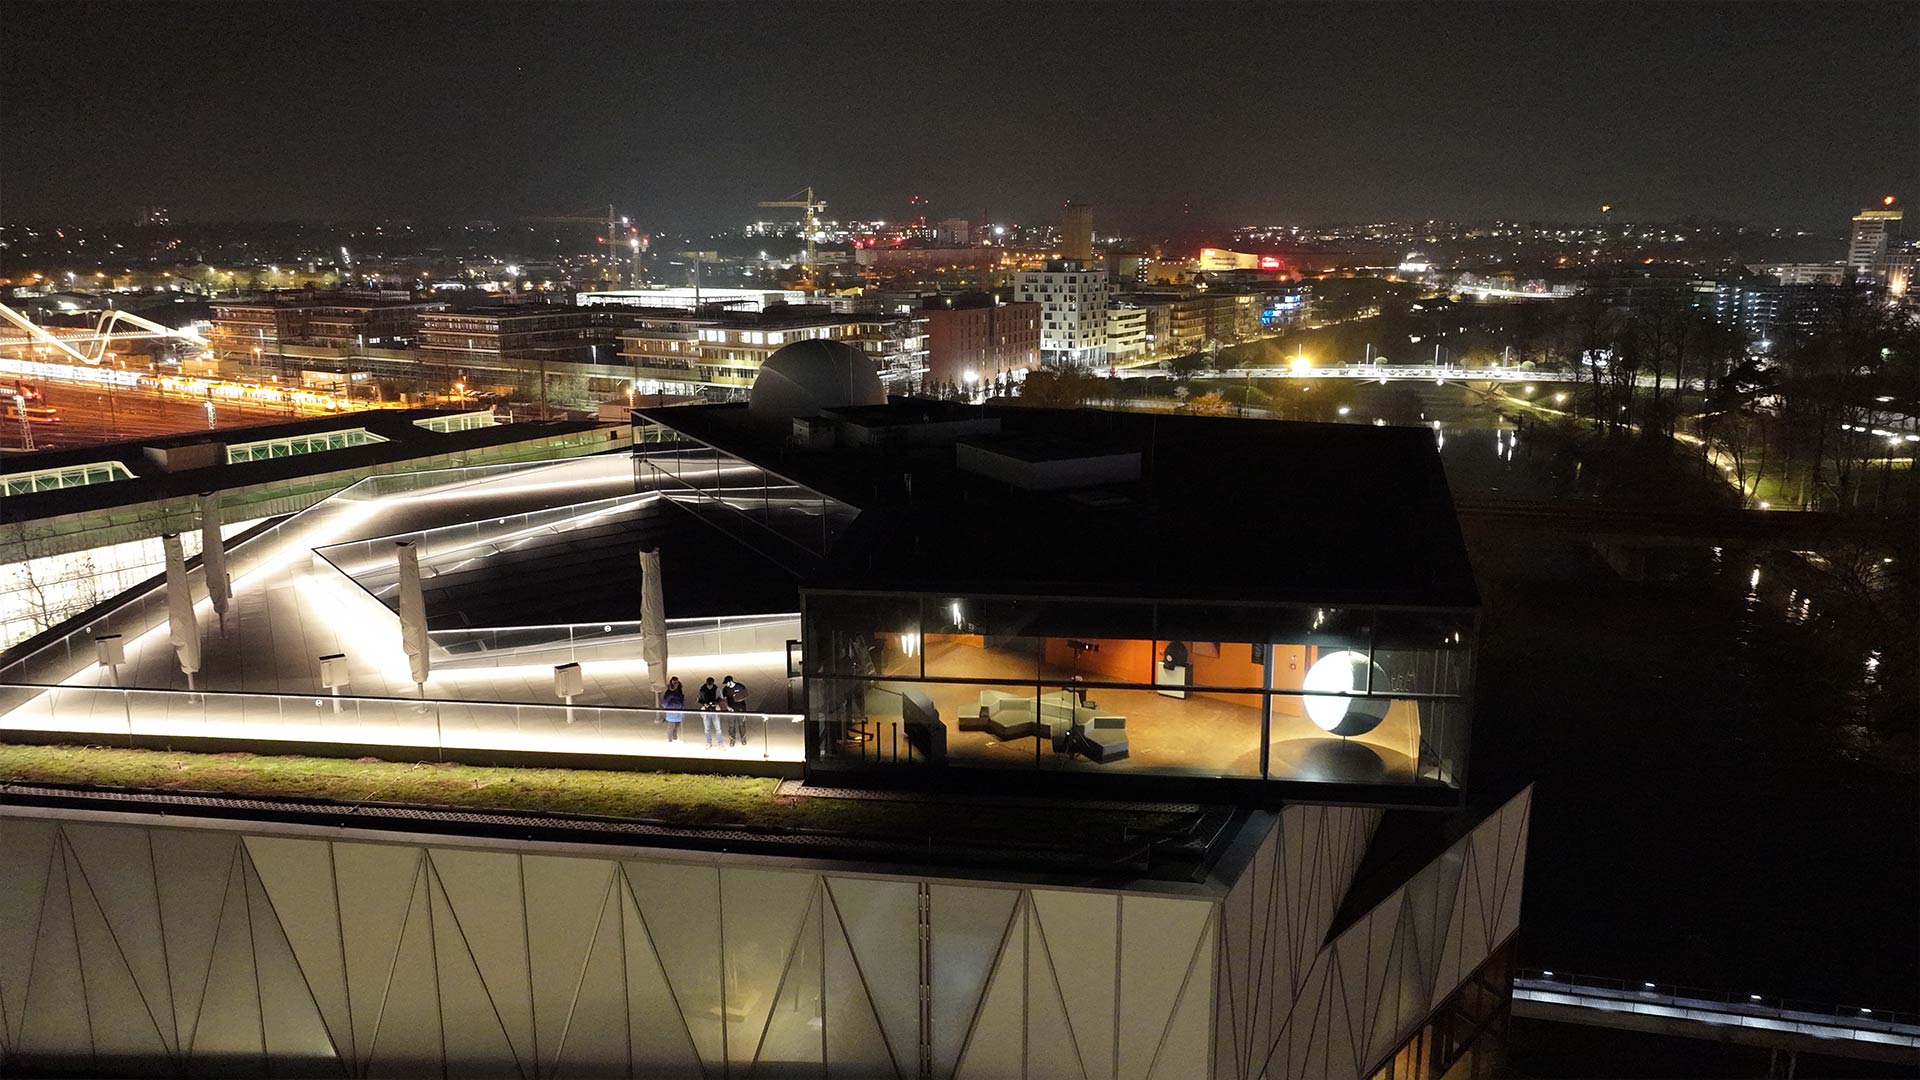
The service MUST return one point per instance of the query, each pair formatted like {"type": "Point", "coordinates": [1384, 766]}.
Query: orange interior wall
{"type": "Point", "coordinates": [1233, 667]}
{"type": "Point", "coordinates": [1290, 664]}
{"type": "Point", "coordinates": [1119, 660]}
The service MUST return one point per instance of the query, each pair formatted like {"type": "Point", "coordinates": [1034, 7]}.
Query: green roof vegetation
{"type": "Point", "coordinates": [683, 799]}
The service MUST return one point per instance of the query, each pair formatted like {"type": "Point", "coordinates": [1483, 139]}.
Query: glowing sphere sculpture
{"type": "Point", "coordinates": [1343, 672]}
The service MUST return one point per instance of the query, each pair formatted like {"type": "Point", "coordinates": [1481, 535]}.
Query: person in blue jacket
{"type": "Point", "coordinates": [673, 700]}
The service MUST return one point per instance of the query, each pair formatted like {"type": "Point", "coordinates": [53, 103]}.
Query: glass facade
{"type": "Point", "coordinates": [96, 472]}
{"type": "Point", "coordinates": [300, 444]}
{"type": "Point", "coordinates": [461, 421]}
{"type": "Point", "coordinates": [1283, 693]}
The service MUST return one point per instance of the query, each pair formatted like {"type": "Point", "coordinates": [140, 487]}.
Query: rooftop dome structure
{"type": "Point", "coordinates": [808, 377]}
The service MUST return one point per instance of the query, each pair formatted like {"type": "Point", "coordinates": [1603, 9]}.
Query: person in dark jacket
{"type": "Point", "coordinates": [673, 700]}
{"type": "Point", "coordinates": [735, 695]}
{"type": "Point", "coordinates": [710, 711]}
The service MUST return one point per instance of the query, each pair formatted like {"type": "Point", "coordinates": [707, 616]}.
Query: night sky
{"type": "Point", "coordinates": [1165, 116]}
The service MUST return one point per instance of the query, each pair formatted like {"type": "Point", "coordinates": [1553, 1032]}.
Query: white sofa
{"type": "Point", "coordinates": [1061, 710]}
{"type": "Point", "coordinates": [1003, 715]}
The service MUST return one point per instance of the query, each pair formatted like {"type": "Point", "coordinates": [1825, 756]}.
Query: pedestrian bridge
{"type": "Point", "coordinates": [1784, 1025]}
{"type": "Point", "coordinates": [1404, 372]}
{"type": "Point", "coordinates": [1442, 373]}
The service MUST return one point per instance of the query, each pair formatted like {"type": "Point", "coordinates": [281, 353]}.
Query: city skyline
{"type": "Point", "coordinates": [1219, 116]}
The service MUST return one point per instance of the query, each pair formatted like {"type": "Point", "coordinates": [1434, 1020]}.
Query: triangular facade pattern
{"type": "Point", "coordinates": [180, 950]}
{"type": "Point", "coordinates": [1300, 1007]}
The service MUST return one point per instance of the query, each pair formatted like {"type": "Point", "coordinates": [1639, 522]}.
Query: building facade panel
{"type": "Point", "coordinates": [209, 946]}
{"type": "Point", "coordinates": [317, 952]}
{"type": "Point", "coordinates": [1299, 1009]}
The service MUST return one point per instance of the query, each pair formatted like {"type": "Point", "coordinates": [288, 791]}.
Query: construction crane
{"type": "Point", "coordinates": [803, 200]}
{"type": "Point", "coordinates": [611, 239]}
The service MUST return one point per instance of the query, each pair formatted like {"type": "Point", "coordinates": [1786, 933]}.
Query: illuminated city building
{"type": "Point", "coordinates": [1196, 317]}
{"type": "Point", "coordinates": [1073, 311]}
{"type": "Point", "coordinates": [1126, 332]}
{"type": "Point", "coordinates": [709, 351]}
{"type": "Point", "coordinates": [1802, 273]}
{"type": "Point", "coordinates": [923, 259]}
{"type": "Point", "coordinates": [1214, 260]}
{"type": "Point", "coordinates": [1763, 310]}
{"type": "Point", "coordinates": [510, 336]}
{"type": "Point", "coordinates": [686, 298]}
{"type": "Point", "coordinates": [1128, 268]}
{"type": "Point", "coordinates": [954, 232]}
{"type": "Point", "coordinates": [315, 331]}
{"type": "Point", "coordinates": [1875, 241]}
{"type": "Point", "coordinates": [973, 338]}
{"type": "Point", "coordinates": [1076, 232]}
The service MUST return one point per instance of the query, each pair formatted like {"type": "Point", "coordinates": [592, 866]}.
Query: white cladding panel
{"type": "Point", "coordinates": [171, 948]}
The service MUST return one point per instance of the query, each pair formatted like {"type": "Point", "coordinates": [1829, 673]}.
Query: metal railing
{"type": "Point", "coordinates": [421, 724]}
{"type": "Point", "coordinates": [140, 609]}
{"type": "Point", "coordinates": [745, 636]}
{"type": "Point", "coordinates": [1708, 1006]}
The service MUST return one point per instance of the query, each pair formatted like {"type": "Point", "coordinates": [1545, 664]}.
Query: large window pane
{"type": "Point", "coordinates": [982, 639]}
{"type": "Point", "coordinates": [884, 722]}
{"type": "Point", "coordinates": [1312, 635]}
{"type": "Point", "coordinates": [1144, 730]}
{"type": "Point", "coordinates": [1094, 659]}
{"type": "Point", "coordinates": [863, 635]}
{"type": "Point", "coordinates": [1443, 741]}
{"type": "Point", "coordinates": [1236, 664]}
{"type": "Point", "coordinates": [987, 726]}
{"type": "Point", "coordinates": [1355, 740]}
{"type": "Point", "coordinates": [1423, 652]}
{"type": "Point", "coordinates": [1223, 622]}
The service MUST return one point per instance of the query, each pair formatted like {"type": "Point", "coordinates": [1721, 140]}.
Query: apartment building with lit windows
{"type": "Point", "coordinates": [720, 352]}
{"type": "Point", "coordinates": [502, 342]}
{"type": "Point", "coordinates": [976, 338]}
{"type": "Point", "coordinates": [277, 334]}
{"type": "Point", "coordinates": [1073, 310]}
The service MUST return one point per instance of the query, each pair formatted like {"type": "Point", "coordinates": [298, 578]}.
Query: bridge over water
{"type": "Point", "coordinates": [1666, 527]}
{"type": "Point", "coordinates": [1439, 373]}
{"type": "Point", "coordinates": [1785, 1026]}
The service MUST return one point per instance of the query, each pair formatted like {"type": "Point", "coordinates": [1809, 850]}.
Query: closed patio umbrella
{"type": "Point", "coordinates": [413, 612]}
{"type": "Point", "coordinates": [183, 630]}
{"type": "Point", "coordinates": [213, 556]}
{"type": "Point", "coordinates": [653, 621]}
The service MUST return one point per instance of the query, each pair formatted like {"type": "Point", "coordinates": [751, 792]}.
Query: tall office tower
{"type": "Point", "coordinates": [1876, 239]}
{"type": "Point", "coordinates": [1076, 231]}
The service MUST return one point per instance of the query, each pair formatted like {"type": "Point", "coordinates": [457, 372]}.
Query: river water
{"type": "Point", "coordinates": [1723, 756]}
